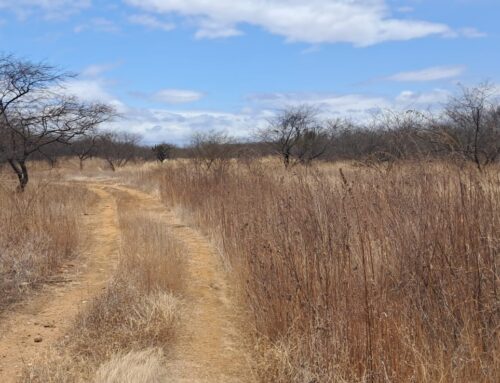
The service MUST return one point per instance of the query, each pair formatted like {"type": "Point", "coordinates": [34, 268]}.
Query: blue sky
{"type": "Point", "coordinates": [173, 67]}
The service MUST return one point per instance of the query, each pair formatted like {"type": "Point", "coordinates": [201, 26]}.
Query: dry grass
{"type": "Point", "coordinates": [39, 229]}
{"type": "Point", "coordinates": [360, 275]}
{"type": "Point", "coordinates": [144, 367]}
{"type": "Point", "coordinates": [114, 338]}
{"type": "Point", "coordinates": [353, 275]}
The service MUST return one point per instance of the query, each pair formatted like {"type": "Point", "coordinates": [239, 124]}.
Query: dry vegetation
{"type": "Point", "coordinates": [348, 273]}
{"type": "Point", "coordinates": [124, 335]}
{"type": "Point", "coordinates": [380, 269]}
{"type": "Point", "coordinates": [358, 275]}
{"type": "Point", "coordinates": [39, 231]}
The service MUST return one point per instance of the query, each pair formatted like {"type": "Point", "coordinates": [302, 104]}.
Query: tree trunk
{"type": "Point", "coordinates": [19, 167]}
{"type": "Point", "coordinates": [111, 165]}
{"type": "Point", "coordinates": [286, 160]}
{"type": "Point", "coordinates": [476, 140]}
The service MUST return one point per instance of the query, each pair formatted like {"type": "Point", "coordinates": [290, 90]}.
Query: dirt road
{"type": "Point", "coordinates": [209, 347]}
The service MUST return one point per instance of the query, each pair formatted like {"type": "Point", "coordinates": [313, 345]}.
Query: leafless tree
{"type": "Point", "coordinates": [85, 147]}
{"type": "Point", "coordinates": [312, 144]}
{"type": "Point", "coordinates": [392, 136]}
{"type": "Point", "coordinates": [118, 148]}
{"type": "Point", "coordinates": [212, 150]}
{"type": "Point", "coordinates": [296, 135]}
{"type": "Point", "coordinates": [35, 113]}
{"type": "Point", "coordinates": [470, 127]}
{"type": "Point", "coordinates": [20, 78]}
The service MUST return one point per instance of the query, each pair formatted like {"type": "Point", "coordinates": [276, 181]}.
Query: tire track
{"type": "Point", "coordinates": [37, 324]}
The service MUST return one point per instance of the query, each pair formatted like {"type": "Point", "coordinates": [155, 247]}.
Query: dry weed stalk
{"type": "Point", "coordinates": [359, 276]}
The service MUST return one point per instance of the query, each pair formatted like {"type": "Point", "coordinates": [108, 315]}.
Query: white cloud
{"type": "Point", "coordinates": [359, 107]}
{"type": "Point", "coordinates": [177, 96]}
{"type": "Point", "coordinates": [433, 98]}
{"type": "Point", "coordinates": [88, 90]}
{"type": "Point", "coordinates": [177, 126]}
{"type": "Point", "coordinates": [156, 125]}
{"type": "Point", "coordinates": [210, 29]}
{"type": "Point", "coordinates": [94, 90]}
{"type": "Point", "coordinates": [360, 22]}
{"type": "Point", "coordinates": [151, 22]}
{"type": "Point", "coordinates": [328, 105]}
{"type": "Point", "coordinates": [428, 74]}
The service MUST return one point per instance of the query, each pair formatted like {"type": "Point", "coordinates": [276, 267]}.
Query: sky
{"type": "Point", "coordinates": [175, 67]}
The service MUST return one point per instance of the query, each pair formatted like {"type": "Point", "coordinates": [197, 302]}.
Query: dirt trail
{"type": "Point", "coordinates": [209, 347]}
{"type": "Point", "coordinates": [49, 314]}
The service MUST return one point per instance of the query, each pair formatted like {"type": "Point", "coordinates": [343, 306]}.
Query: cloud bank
{"type": "Point", "coordinates": [359, 22]}
{"type": "Point", "coordinates": [177, 126]}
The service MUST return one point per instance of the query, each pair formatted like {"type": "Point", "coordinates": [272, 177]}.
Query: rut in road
{"type": "Point", "coordinates": [210, 347]}
{"type": "Point", "coordinates": [50, 313]}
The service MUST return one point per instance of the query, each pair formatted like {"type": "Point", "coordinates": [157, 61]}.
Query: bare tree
{"type": "Point", "coordinates": [212, 150]}
{"type": "Point", "coordinates": [312, 144]}
{"type": "Point", "coordinates": [20, 78]}
{"type": "Point", "coordinates": [28, 131]}
{"type": "Point", "coordinates": [85, 147]}
{"type": "Point", "coordinates": [118, 148]}
{"type": "Point", "coordinates": [470, 127]}
{"type": "Point", "coordinates": [35, 113]}
{"type": "Point", "coordinates": [163, 151]}
{"type": "Point", "coordinates": [296, 136]}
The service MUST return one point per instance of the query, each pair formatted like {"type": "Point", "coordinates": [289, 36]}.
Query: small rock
{"type": "Point", "coordinates": [38, 339]}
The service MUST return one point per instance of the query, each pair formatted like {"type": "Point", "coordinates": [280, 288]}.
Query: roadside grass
{"type": "Point", "coordinates": [39, 231]}
{"type": "Point", "coordinates": [357, 274]}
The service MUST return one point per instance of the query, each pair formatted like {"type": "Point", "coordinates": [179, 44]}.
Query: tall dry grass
{"type": "Point", "coordinates": [359, 275]}
{"type": "Point", "coordinates": [39, 229]}
{"type": "Point", "coordinates": [125, 333]}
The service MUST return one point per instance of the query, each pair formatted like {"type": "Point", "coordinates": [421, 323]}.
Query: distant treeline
{"type": "Point", "coordinates": [467, 129]}
{"type": "Point", "coordinates": [38, 120]}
